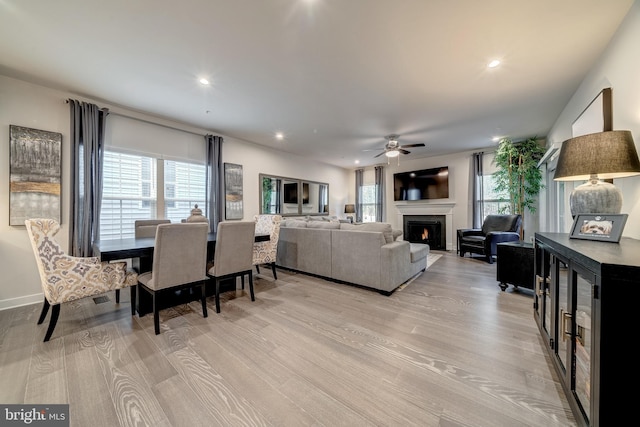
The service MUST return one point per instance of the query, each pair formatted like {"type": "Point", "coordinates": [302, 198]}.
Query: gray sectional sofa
{"type": "Point", "coordinates": [361, 254]}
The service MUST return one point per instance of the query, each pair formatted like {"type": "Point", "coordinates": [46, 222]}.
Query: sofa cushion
{"type": "Point", "coordinates": [381, 227]}
{"type": "Point", "coordinates": [500, 223]}
{"type": "Point", "coordinates": [294, 223]}
{"type": "Point", "coordinates": [396, 233]}
{"type": "Point", "coordinates": [327, 225]}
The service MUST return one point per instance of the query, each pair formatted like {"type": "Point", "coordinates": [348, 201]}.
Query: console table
{"type": "Point", "coordinates": [584, 304]}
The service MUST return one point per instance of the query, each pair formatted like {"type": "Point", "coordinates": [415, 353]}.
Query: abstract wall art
{"type": "Point", "coordinates": [233, 191]}
{"type": "Point", "coordinates": [34, 174]}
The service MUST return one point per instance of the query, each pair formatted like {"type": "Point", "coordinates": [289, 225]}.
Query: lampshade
{"type": "Point", "coordinates": [349, 208]}
{"type": "Point", "coordinates": [593, 157]}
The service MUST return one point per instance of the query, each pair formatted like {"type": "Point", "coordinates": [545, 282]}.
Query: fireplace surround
{"type": "Point", "coordinates": [430, 209]}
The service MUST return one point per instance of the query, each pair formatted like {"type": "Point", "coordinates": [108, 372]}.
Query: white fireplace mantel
{"type": "Point", "coordinates": [430, 208]}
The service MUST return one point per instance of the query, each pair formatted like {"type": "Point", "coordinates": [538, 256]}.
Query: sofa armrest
{"type": "Point", "coordinates": [395, 263]}
{"type": "Point", "coordinates": [495, 237]}
{"type": "Point", "coordinates": [470, 232]}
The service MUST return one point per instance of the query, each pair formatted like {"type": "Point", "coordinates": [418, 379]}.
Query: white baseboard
{"type": "Point", "coordinates": [6, 304]}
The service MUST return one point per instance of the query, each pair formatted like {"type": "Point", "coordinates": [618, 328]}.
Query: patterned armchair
{"type": "Point", "coordinates": [265, 252]}
{"type": "Point", "coordinates": [67, 278]}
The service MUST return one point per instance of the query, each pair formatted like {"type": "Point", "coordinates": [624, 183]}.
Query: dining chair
{"type": "Point", "coordinates": [179, 262]}
{"type": "Point", "coordinates": [147, 227]}
{"type": "Point", "coordinates": [233, 255]}
{"type": "Point", "coordinates": [66, 278]}
{"type": "Point", "coordinates": [265, 252]}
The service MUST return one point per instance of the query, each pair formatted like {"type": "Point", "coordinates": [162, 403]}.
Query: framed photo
{"type": "Point", "coordinates": [34, 174]}
{"type": "Point", "coordinates": [233, 191]}
{"type": "Point", "coordinates": [602, 227]}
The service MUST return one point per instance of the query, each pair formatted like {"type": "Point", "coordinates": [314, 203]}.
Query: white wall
{"type": "Point", "coordinates": [34, 106]}
{"type": "Point", "coordinates": [617, 68]}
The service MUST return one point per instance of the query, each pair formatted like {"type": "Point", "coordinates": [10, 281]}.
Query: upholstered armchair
{"type": "Point", "coordinates": [67, 278]}
{"type": "Point", "coordinates": [266, 252]}
{"type": "Point", "coordinates": [495, 229]}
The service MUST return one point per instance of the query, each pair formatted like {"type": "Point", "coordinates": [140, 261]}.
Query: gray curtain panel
{"type": "Point", "coordinates": [215, 181]}
{"type": "Point", "coordinates": [359, 180]}
{"type": "Point", "coordinates": [478, 191]}
{"type": "Point", "coordinates": [379, 173]}
{"type": "Point", "coordinates": [87, 153]}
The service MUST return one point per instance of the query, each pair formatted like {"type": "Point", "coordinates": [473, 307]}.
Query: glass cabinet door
{"type": "Point", "coordinates": [582, 338]}
{"type": "Point", "coordinates": [562, 332]}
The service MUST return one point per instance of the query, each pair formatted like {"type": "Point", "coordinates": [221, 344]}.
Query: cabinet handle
{"type": "Point", "coordinates": [540, 291]}
{"type": "Point", "coordinates": [566, 317]}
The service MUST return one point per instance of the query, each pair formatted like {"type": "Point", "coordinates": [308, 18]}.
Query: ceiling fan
{"type": "Point", "coordinates": [393, 148]}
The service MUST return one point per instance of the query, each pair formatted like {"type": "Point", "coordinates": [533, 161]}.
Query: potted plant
{"type": "Point", "coordinates": [518, 175]}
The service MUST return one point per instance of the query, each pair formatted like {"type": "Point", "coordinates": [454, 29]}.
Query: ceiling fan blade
{"type": "Point", "coordinates": [378, 155]}
{"type": "Point", "coordinates": [404, 151]}
{"type": "Point", "coordinates": [413, 145]}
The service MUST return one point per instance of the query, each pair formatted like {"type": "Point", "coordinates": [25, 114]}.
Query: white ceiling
{"type": "Point", "coordinates": [335, 76]}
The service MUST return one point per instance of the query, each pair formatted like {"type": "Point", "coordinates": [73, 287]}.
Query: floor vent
{"type": "Point", "coordinates": [100, 300]}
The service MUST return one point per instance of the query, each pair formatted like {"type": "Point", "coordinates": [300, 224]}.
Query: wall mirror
{"type": "Point", "coordinates": [291, 196]}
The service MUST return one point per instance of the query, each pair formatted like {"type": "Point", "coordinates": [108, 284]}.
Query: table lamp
{"type": "Point", "coordinates": [594, 157]}
{"type": "Point", "coordinates": [349, 209]}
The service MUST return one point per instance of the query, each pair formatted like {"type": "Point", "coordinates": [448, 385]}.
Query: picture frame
{"type": "Point", "coordinates": [233, 191]}
{"type": "Point", "coordinates": [599, 227]}
{"type": "Point", "coordinates": [35, 174]}
{"type": "Point", "coordinates": [596, 117]}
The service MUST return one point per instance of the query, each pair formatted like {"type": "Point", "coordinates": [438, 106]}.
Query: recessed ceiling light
{"type": "Point", "coordinates": [204, 81]}
{"type": "Point", "coordinates": [495, 139]}
{"type": "Point", "coordinates": [493, 64]}
{"type": "Point", "coordinates": [279, 136]}
{"type": "Point", "coordinates": [357, 162]}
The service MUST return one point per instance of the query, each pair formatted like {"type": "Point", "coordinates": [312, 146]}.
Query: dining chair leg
{"type": "Point", "coordinates": [242, 280]}
{"type": "Point", "coordinates": [257, 269]}
{"type": "Point", "coordinates": [273, 268]}
{"type": "Point", "coordinates": [253, 298]}
{"type": "Point", "coordinates": [203, 298]}
{"type": "Point", "coordinates": [55, 312]}
{"type": "Point", "coordinates": [45, 310]}
{"type": "Point", "coordinates": [117, 296]}
{"type": "Point", "coordinates": [156, 315]}
{"type": "Point", "coordinates": [217, 295]}
{"type": "Point", "coordinates": [134, 293]}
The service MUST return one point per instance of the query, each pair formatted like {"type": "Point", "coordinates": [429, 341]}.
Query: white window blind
{"type": "Point", "coordinates": [129, 193]}
{"type": "Point", "coordinates": [184, 187]}
{"type": "Point", "coordinates": [133, 189]}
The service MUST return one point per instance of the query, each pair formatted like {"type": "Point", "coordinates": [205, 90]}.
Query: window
{"type": "Point", "coordinates": [368, 202]}
{"type": "Point", "coordinates": [130, 192]}
{"type": "Point", "coordinates": [493, 202]}
{"type": "Point", "coordinates": [184, 187]}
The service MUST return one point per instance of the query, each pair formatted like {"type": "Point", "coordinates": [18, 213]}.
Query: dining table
{"type": "Point", "coordinates": [140, 251]}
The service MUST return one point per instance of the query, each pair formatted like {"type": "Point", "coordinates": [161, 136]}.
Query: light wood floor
{"type": "Point", "coordinates": [450, 349]}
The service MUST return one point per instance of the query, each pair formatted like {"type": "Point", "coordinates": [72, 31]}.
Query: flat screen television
{"type": "Point", "coordinates": [290, 193]}
{"type": "Point", "coordinates": [422, 184]}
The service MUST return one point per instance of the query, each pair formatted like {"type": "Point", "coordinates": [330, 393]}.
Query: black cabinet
{"type": "Point", "coordinates": [583, 302]}
{"type": "Point", "coordinates": [515, 265]}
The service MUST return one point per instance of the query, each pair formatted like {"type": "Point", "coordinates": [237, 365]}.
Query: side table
{"type": "Point", "coordinates": [515, 264]}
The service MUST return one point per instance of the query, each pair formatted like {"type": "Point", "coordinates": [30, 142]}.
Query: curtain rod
{"type": "Point", "coordinates": [151, 122]}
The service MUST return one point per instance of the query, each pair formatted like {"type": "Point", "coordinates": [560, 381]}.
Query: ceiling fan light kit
{"type": "Point", "coordinates": [393, 149]}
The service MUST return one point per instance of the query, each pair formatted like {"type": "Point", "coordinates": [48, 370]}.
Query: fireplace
{"type": "Point", "coordinates": [429, 229]}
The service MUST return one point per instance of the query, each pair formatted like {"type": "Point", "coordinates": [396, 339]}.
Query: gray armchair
{"type": "Point", "coordinates": [495, 229]}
